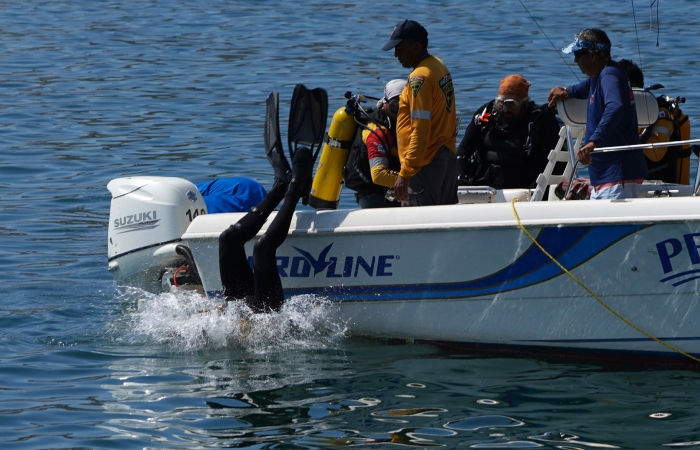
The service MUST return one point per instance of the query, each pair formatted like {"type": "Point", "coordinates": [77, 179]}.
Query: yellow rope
{"type": "Point", "coordinates": [615, 313]}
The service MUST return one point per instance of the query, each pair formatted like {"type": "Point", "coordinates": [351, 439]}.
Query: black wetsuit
{"type": "Point", "coordinates": [506, 156]}
{"type": "Point", "coordinates": [260, 287]}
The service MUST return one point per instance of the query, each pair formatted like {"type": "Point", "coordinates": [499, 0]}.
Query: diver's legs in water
{"type": "Point", "coordinates": [268, 285]}
{"type": "Point", "coordinates": [236, 274]}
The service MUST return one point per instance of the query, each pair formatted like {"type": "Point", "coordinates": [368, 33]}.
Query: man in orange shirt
{"type": "Point", "coordinates": [426, 123]}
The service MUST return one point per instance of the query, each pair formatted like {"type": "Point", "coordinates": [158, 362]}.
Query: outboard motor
{"type": "Point", "coordinates": [147, 218]}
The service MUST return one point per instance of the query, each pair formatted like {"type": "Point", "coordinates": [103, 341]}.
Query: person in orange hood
{"type": "Point", "coordinates": [507, 142]}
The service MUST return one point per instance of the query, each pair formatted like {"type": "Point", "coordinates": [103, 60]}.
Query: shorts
{"type": "Point", "coordinates": [619, 191]}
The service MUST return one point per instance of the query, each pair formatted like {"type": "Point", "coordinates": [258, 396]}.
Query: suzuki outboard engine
{"type": "Point", "coordinates": [147, 218]}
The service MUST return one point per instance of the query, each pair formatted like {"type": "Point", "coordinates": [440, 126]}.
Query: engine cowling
{"type": "Point", "coordinates": [149, 211]}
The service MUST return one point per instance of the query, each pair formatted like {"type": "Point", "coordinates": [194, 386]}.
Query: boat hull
{"type": "Point", "coordinates": [470, 274]}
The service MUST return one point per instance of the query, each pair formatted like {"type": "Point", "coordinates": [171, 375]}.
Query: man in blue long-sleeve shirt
{"type": "Point", "coordinates": [611, 119]}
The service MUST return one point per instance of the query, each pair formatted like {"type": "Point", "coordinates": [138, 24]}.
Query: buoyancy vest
{"type": "Point", "coordinates": [674, 165]}
{"type": "Point", "coordinates": [518, 152]}
{"type": "Point", "coordinates": [357, 173]}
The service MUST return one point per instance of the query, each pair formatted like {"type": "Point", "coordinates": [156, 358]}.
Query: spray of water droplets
{"type": "Point", "coordinates": [187, 321]}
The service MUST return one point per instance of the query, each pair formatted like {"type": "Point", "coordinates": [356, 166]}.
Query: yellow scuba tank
{"type": "Point", "coordinates": [325, 190]}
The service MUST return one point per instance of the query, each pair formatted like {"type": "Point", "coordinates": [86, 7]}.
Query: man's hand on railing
{"type": "Point", "coordinates": [584, 153]}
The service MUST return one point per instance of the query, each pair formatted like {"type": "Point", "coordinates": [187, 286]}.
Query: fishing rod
{"type": "Point", "coordinates": [556, 49]}
{"type": "Point", "coordinates": [634, 18]}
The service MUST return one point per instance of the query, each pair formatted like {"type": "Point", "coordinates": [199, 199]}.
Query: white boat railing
{"type": "Point", "coordinates": [562, 164]}
{"type": "Point", "coordinates": [650, 145]}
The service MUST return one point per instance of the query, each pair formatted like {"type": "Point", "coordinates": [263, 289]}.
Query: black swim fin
{"type": "Point", "coordinates": [308, 114]}
{"type": "Point", "coordinates": [273, 142]}
{"type": "Point", "coordinates": [307, 119]}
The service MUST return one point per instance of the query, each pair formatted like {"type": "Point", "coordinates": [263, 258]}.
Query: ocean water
{"type": "Point", "coordinates": [95, 90]}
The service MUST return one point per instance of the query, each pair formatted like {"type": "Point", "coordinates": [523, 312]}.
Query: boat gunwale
{"type": "Point", "coordinates": [651, 217]}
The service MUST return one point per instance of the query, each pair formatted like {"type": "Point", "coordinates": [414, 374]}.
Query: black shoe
{"type": "Point", "coordinates": [302, 167]}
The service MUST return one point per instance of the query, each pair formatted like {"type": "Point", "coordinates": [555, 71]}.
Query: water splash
{"type": "Point", "coordinates": [186, 321]}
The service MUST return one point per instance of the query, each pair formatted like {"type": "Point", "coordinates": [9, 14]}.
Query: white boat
{"type": "Point", "coordinates": [462, 275]}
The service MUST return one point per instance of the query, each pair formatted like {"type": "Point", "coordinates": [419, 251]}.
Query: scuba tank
{"type": "Point", "coordinates": [674, 164]}
{"type": "Point", "coordinates": [328, 180]}
{"type": "Point", "coordinates": [681, 132]}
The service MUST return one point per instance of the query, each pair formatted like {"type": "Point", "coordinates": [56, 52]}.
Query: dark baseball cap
{"type": "Point", "coordinates": [406, 29]}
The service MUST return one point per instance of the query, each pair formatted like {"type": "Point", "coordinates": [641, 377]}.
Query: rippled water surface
{"type": "Point", "coordinates": [95, 90]}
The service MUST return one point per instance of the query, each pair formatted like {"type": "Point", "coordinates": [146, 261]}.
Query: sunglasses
{"type": "Point", "coordinates": [580, 53]}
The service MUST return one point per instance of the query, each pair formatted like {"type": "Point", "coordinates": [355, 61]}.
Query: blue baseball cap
{"type": "Point", "coordinates": [582, 44]}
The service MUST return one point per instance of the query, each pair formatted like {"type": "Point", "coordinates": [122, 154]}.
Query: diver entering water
{"type": "Point", "coordinates": [260, 286]}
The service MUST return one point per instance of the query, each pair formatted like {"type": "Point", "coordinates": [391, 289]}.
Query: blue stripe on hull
{"type": "Point", "coordinates": [571, 246]}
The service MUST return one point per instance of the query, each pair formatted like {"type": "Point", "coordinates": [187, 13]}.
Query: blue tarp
{"type": "Point", "coordinates": [231, 194]}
